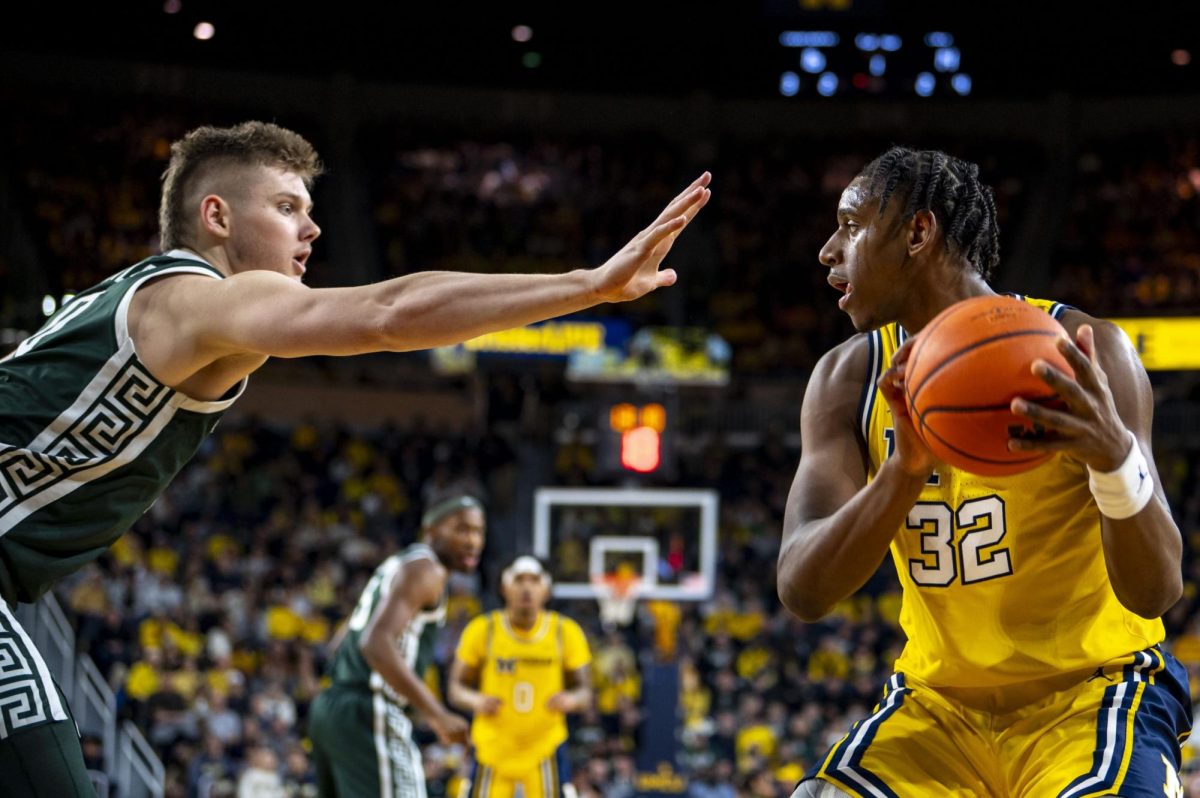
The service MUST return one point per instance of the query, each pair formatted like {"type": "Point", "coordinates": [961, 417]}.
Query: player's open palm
{"type": "Point", "coordinates": [911, 452]}
{"type": "Point", "coordinates": [633, 272]}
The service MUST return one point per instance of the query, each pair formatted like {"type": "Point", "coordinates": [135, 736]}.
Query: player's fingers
{"type": "Point", "coordinates": [685, 198]}
{"type": "Point", "coordinates": [1069, 389]}
{"type": "Point", "coordinates": [1085, 339]}
{"type": "Point", "coordinates": [1060, 444]}
{"type": "Point", "coordinates": [1053, 419]}
{"type": "Point", "coordinates": [661, 233]}
{"type": "Point", "coordinates": [1083, 361]}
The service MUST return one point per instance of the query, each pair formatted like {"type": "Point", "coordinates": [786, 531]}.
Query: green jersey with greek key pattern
{"type": "Point", "coordinates": [349, 667]}
{"type": "Point", "coordinates": [88, 437]}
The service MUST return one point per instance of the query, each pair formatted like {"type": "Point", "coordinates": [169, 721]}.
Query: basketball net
{"type": "Point", "coordinates": [617, 595]}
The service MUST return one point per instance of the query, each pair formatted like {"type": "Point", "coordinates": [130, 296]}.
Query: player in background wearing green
{"type": "Point", "coordinates": [362, 739]}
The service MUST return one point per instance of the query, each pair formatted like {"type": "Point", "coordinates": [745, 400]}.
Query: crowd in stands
{"type": "Point", "coordinates": [546, 205]}
{"type": "Point", "coordinates": [1130, 243]}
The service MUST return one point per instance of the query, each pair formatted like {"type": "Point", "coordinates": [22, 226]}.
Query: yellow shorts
{"type": "Point", "coordinates": [543, 781]}
{"type": "Point", "coordinates": [1116, 731]}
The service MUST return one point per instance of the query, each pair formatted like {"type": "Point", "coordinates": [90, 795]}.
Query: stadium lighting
{"type": "Point", "coordinates": [827, 84]}
{"type": "Point", "coordinates": [878, 65]}
{"type": "Point", "coordinates": [1181, 57]}
{"type": "Point", "coordinates": [867, 42]}
{"type": "Point", "coordinates": [641, 449]}
{"type": "Point", "coordinates": [939, 39]}
{"type": "Point", "coordinates": [522, 33]}
{"type": "Point", "coordinates": [789, 84]}
{"type": "Point", "coordinates": [889, 42]}
{"type": "Point", "coordinates": [961, 83]}
{"type": "Point", "coordinates": [48, 305]}
{"type": "Point", "coordinates": [812, 60]}
{"type": "Point", "coordinates": [172, 7]}
{"type": "Point", "coordinates": [204, 31]}
{"type": "Point", "coordinates": [809, 38]}
{"type": "Point", "coordinates": [925, 83]}
{"type": "Point", "coordinates": [946, 59]}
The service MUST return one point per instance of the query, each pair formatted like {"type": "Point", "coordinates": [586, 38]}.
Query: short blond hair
{"type": "Point", "coordinates": [247, 144]}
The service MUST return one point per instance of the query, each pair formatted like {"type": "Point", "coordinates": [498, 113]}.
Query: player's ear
{"type": "Point", "coordinates": [214, 216]}
{"type": "Point", "coordinates": [922, 230]}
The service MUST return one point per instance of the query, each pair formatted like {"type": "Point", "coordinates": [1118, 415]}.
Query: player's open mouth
{"type": "Point", "coordinates": [299, 264]}
{"type": "Point", "coordinates": [842, 285]}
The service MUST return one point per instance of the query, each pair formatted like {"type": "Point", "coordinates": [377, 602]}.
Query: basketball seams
{"type": "Point", "coordinates": [983, 408]}
{"type": "Point", "coordinates": [1042, 333]}
{"type": "Point", "coordinates": [1016, 462]}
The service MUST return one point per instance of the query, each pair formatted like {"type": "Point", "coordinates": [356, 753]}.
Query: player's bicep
{"type": "Point", "coordinates": [269, 314]}
{"type": "Point", "coordinates": [832, 467]}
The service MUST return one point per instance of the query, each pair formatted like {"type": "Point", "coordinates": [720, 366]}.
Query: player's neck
{"type": "Point", "coordinates": [523, 621]}
{"type": "Point", "coordinates": [947, 284]}
{"type": "Point", "coordinates": [214, 256]}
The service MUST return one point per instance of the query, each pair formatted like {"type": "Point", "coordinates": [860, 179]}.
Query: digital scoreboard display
{"type": "Point", "coordinates": [829, 63]}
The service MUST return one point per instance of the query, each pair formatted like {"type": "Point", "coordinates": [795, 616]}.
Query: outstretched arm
{"type": "Point", "coordinates": [837, 528]}
{"type": "Point", "coordinates": [267, 314]}
{"type": "Point", "coordinates": [1110, 409]}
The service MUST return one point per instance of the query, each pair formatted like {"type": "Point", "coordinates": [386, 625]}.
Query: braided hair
{"type": "Point", "coordinates": [947, 187]}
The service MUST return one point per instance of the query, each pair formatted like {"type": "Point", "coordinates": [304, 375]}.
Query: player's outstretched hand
{"type": "Point", "coordinates": [633, 272]}
{"type": "Point", "coordinates": [489, 706]}
{"type": "Point", "coordinates": [1090, 428]}
{"type": "Point", "coordinates": [450, 728]}
{"type": "Point", "coordinates": [912, 455]}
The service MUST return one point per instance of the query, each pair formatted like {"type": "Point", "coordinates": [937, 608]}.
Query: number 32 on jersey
{"type": "Point", "coordinates": [977, 525]}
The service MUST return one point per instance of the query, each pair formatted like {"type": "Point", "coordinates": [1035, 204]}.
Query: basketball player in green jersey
{"type": "Point", "coordinates": [101, 407]}
{"type": "Point", "coordinates": [1032, 602]}
{"type": "Point", "coordinates": [362, 739]}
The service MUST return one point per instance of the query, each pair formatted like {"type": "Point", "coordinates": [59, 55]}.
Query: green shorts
{"type": "Point", "coordinates": [40, 754]}
{"type": "Point", "coordinates": [362, 746]}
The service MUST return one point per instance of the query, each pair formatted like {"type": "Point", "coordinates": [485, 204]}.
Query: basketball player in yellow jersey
{"type": "Point", "coordinates": [520, 670]}
{"type": "Point", "coordinates": [1031, 602]}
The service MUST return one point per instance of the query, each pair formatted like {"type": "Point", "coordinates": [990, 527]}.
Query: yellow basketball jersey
{"type": "Point", "coordinates": [1004, 578]}
{"type": "Point", "coordinates": [523, 670]}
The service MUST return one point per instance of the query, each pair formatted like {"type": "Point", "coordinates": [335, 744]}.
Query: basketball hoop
{"type": "Point", "coordinates": [617, 595]}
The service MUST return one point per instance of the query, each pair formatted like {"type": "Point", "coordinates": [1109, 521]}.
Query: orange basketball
{"type": "Point", "coordinates": [966, 367]}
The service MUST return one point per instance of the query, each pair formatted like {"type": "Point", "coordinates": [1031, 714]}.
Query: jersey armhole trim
{"type": "Point", "coordinates": [867, 401]}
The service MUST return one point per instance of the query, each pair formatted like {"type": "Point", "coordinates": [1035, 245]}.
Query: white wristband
{"type": "Point", "coordinates": [1124, 492]}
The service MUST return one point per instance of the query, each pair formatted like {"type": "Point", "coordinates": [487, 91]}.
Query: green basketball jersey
{"type": "Point", "coordinates": [88, 438]}
{"type": "Point", "coordinates": [349, 667]}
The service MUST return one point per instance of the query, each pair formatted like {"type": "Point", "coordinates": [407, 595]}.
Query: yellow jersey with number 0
{"type": "Point", "coordinates": [523, 670]}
